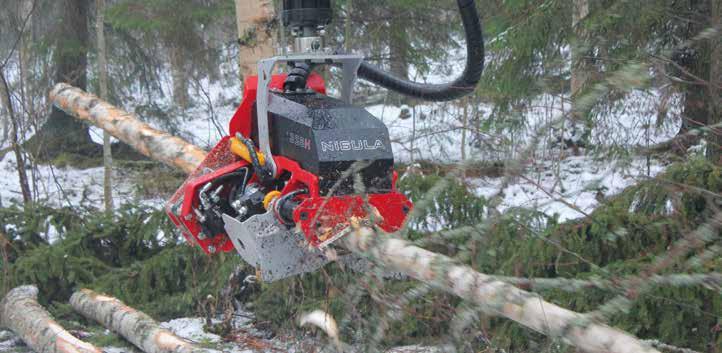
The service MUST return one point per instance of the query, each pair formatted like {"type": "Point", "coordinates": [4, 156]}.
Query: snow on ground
{"type": "Point", "coordinates": [190, 329]}
{"type": "Point", "coordinates": [430, 132]}
{"type": "Point", "coordinates": [433, 132]}
{"type": "Point", "coordinates": [569, 189]}
{"type": "Point", "coordinates": [57, 186]}
{"type": "Point", "coordinates": [245, 338]}
{"type": "Point", "coordinates": [11, 343]}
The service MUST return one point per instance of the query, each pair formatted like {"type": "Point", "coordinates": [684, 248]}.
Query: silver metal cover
{"type": "Point", "coordinates": [272, 248]}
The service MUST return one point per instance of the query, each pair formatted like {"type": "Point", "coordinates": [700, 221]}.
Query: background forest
{"type": "Point", "coordinates": [586, 167]}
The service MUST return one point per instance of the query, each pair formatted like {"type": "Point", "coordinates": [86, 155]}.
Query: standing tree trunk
{"type": "Point", "coordinates": [179, 74]}
{"type": "Point", "coordinates": [695, 60]}
{"type": "Point", "coordinates": [25, 11]}
{"type": "Point", "coordinates": [21, 313]}
{"type": "Point", "coordinates": [714, 145]}
{"type": "Point", "coordinates": [580, 73]}
{"type": "Point", "coordinates": [348, 27]}
{"type": "Point", "coordinates": [399, 49]}
{"type": "Point", "coordinates": [136, 327]}
{"type": "Point", "coordinates": [5, 119]}
{"type": "Point", "coordinates": [253, 18]}
{"type": "Point", "coordinates": [464, 129]}
{"type": "Point", "coordinates": [62, 133]}
{"type": "Point", "coordinates": [19, 158]}
{"type": "Point", "coordinates": [103, 81]}
{"type": "Point", "coordinates": [580, 65]}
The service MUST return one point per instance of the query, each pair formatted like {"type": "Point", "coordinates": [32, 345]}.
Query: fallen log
{"type": "Point", "coordinates": [494, 297]}
{"type": "Point", "coordinates": [158, 145]}
{"type": "Point", "coordinates": [21, 313]}
{"type": "Point", "coordinates": [136, 327]}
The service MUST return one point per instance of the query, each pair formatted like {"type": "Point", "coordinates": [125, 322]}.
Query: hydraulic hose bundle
{"type": "Point", "coordinates": [462, 86]}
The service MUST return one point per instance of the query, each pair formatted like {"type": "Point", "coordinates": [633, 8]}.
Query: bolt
{"type": "Point", "coordinates": [199, 215]}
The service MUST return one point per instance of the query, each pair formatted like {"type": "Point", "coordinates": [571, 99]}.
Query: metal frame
{"type": "Point", "coordinates": [349, 63]}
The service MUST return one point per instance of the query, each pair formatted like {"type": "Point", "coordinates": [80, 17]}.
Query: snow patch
{"type": "Point", "coordinates": [191, 329]}
{"type": "Point", "coordinates": [568, 189]}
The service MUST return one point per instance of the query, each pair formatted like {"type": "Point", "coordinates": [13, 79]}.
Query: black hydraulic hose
{"type": "Point", "coordinates": [297, 77]}
{"type": "Point", "coordinates": [265, 175]}
{"type": "Point", "coordinates": [462, 86]}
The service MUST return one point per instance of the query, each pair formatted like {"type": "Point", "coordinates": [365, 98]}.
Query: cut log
{"type": "Point", "coordinates": [136, 327]}
{"type": "Point", "coordinates": [126, 127]}
{"type": "Point", "coordinates": [21, 313]}
{"type": "Point", "coordinates": [493, 296]}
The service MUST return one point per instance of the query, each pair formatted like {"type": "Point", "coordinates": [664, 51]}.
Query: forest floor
{"type": "Point", "coordinates": [567, 187]}
{"type": "Point", "coordinates": [245, 338]}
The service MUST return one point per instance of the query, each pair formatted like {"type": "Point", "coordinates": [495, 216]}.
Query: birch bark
{"type": "Point", "coordinates": [136, 327]}
{"type": "Point", "coordinates": [103, 80]}
{"type": "Point", "coordinates": [126, 127]}
{"type": "Point", "coordinates": [21, 313]}
{"type": "Point", "coordinates": [252, 19]}
{"type": "Point", "coordinates": [492, 296]}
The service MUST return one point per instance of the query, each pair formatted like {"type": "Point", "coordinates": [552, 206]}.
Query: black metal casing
{"type": "Point", "coordinates": [326, 136]}
{"type": "Point", "coordinates": [306, 13]}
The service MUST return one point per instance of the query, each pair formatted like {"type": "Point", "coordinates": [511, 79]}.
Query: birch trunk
{"type": "Point", "coordinates": [348, 27]}
{"type": "Point", "coordinates": [714, 146]}
{"type": "Point", "coordinates": [580, 11]}
{"type": "Point", "coordinates": [579, 70]}
{"type": "Point", "coordinates": [61, 131]}
{"type": "Point", "coordinates": [103, 81]}
{"type": "Point", "coordinates": [126, 127]}
{"type": "Point", "coordinates": [5, 121]}
{"type": "Point", "coordinates": [14, 139]}
{"type": "Point", "coordinates": [26, 8]}
{"type": "Point", "coordinates": [464, 129]}
{"type": "Point", "coordinates": [252, 19]}
{"type": "Point", "coordinates": [179, 75]}
{"type": "Point", "coordinates": [136, 327]}
{"type": "Point", "coordinates": [494, 297]}
{"type": "Point", "coordinates": [21, 313]}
